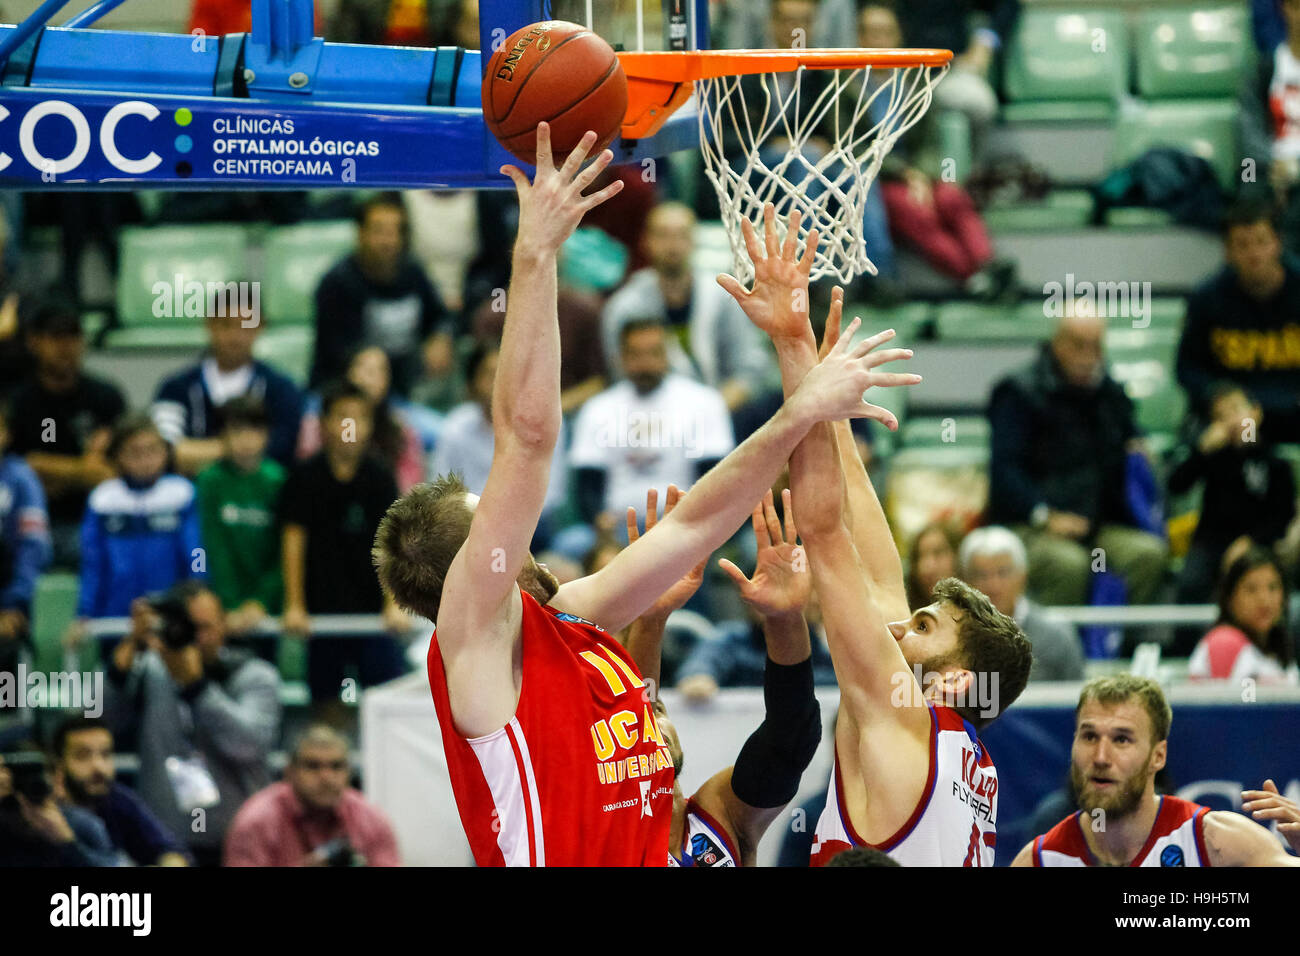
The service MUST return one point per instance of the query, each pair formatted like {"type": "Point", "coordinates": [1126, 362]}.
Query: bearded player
{"type": "Point", "coordinates": [721, 824]}
{"type": "Point", "coordinates": [554, 758]}
{"type": "Point", "coordinates": [1121, 731]}
{"type": "Point", "coordinates": [911, 777]}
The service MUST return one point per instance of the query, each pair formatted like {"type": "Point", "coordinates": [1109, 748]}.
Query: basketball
{"type": "Point", "coordinates": [559, 73]}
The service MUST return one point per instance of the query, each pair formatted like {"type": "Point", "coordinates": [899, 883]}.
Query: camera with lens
{"type": "Point", "coordinates": [174, 627]}
{"type": "Point", "coordinates": [30, 777]}
{"type": "Point", "coordinates": [339, 852]}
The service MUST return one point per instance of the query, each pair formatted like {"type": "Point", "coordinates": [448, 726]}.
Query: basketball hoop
{"type": "Point", "coordinates": [864, 101]}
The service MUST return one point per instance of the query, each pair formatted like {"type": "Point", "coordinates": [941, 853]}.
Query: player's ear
{"type": "Point", "coordinates": [1159, 754]}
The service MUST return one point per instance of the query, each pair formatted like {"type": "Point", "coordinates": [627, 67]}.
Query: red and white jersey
{"type": "Point", "coordinates": [955, 821]}
{"type": "Point", "coordinates": [581, 775]}
{"type": "Point", "coordinates": [1177, 838]}
{"type": "Point", "coordinates": [705, 841]}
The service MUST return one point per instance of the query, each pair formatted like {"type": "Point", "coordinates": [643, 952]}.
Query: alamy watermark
{"type": "Point", "coordinates": [1111, 300]}
{"type": "Point", "coordinates": [980, 695]}
{"type": "Point", "coordinates": [638, 429]}
{"type": "Point", "coordinates": [74, 690]}
{"type": "Point", "coordinates": [191, 298]}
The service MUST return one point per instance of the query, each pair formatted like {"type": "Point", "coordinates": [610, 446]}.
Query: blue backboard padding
{"type": "Point", "coordinates": [142, 62]}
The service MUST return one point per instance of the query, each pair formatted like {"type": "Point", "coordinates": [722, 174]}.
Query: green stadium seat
{"type": "Point", "coordinates": [1205, 128]}
{"type": "Point", "coordinates": [154, 256]}
{"type": "Point", "coordinates": [980, 322]}
{"type": "Point", "coordinates": [289, 349]}
{"type": "Point", "coordinates": [951, 431]}
{"type": "Point", "coordinates": [1058, 210]}
{"type": "Point", "coordinates": [296, 257]}
{"type": "Point", "coordinates": [54, 605]}
{"type": "Point", "coordinates": [1138, 217]}
{"type": "Point", "coordinates": [1059, 58]}
{"type": "Point", "coordinates": [1142, 360]}
{"type": "Point", "coordinates": [908, 320]}
{"type": "Point", "coordinates": [1191, 51]}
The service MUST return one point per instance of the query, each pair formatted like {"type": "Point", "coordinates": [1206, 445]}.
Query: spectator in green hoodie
{"type": "Point", "coordinates": [238, 499]}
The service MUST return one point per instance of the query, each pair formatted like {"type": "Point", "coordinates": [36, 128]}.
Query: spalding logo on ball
{"type": "Point", "coordinates": [559, 73]}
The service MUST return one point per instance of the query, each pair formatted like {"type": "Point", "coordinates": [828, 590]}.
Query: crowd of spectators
{"type": "Point", "coordinates": [244, 505]}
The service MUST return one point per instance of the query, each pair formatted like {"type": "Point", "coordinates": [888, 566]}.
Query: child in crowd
{"type": "Point", "coordinates": [238, 499]}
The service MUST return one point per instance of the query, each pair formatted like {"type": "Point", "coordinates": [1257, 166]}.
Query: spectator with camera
{"type": "Point", "coordinates": [84, 775]}
{"type": "Point", "coordinates": [1248, 490]}
{"type": "Point", "coordinates": [312, 817]}
{"type": "Point", "coordinates": [993, 559]}
{"type": "Point", "coordinates": [204, 716]}
{"type": "Point", "coordinates": [36, 830]}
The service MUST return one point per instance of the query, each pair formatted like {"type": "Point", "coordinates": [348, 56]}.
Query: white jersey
{"type": "Point", "coordinates": [955, 821]}
{"type": "Point", "coordinates": [705, 841]}
{"type": "Point", "coordinates": [1177, 838]}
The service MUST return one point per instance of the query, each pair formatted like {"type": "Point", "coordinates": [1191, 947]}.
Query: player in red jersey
{"type": "Point", "coordinates": [721, 823]}
{"type": "Point", "coordinates": [554, 755]}
{"type": "Point", "coordinates": [1121, 730]}
{"type": "Point", "coordinates": [911, 776]}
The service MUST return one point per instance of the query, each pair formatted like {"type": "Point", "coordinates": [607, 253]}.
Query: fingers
{"type": "Point", "coordinates": [632, 533]}
{"type": "Point", "coordinates": [1270, 786]}
{"type": "Point", "coordinates": [846, 336]}
{"type": "Point", "coordinates": [872, 342]}
{"type": "Point", "coordinates": [544, 159]}
{"type": "Point", "coordinates": [769, 230]}
{"type": "Point", "coordinates": [573, 162]}
{"type": "Point", "coordinates": [588, 175]}
{"type": "Point", "coordinates": [791, 237]}
{"type": "Point", "coordinates": [787, 505]}
{"type": "Point", "coordinates": [751, 241]}
{"type": "Point", "coordinates": [831, 334]}
{"type": "Point", "coordinates": [672, 499]}
{"type": "Point", "coordinates": [894, 379]}
{"type": "Point", "coordinates": [875, 412]}
{"type": "Point", "coordinates": [651, 509]}
{"type": "Point", "coordinates": [734, 573]}
{"type": "Point", "coordinates": [609, 192]}
{"type": "Point", "coordinates": [881, 358]}
{"type": "Point", "coordinates": [769, 515]}
{"type": "Point", "coordinates": [759, 524]}
{"type": "Point", "coordinates": [732, 286]}
{"type": "Point", "coordinates": [809, 251]}
{"type": "Point", "coordinates": [517, 177]}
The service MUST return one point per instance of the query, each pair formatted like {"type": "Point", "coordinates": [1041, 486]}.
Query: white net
{"type": "Point", "coordinates": [811, 145]}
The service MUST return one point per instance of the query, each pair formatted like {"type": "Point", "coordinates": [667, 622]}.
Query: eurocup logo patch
{"type": "Point", "coordinates": [574, 619]}
{"type": "Point", "coordinates": [704, 851]}
{"type": "Point", "coordinates": [1172, 856]}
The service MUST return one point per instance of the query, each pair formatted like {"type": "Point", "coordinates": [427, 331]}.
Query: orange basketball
{"type": "Point", "coordinates": [560, 73]}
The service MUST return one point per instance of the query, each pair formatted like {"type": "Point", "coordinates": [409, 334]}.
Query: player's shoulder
{"type": "Point", "coordinates": [1233, 839]}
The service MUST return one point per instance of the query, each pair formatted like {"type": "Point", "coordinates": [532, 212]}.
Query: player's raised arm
{"type": "Point", "coordinates": [778, 305]}
{"type": "Point", "coordinates": [716, 505]}
{"type": "Point", "coordinates": [480, 610]}
{"type": "Point", "coordinates": [748, 796]}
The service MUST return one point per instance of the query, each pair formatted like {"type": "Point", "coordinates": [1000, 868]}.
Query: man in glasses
{"type": "Point", "coordinates": [312, 817]}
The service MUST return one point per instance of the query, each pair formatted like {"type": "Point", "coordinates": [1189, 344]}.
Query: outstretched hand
{"type": "Point", "coordinates": [835, 386]}
{"type": "Point", "coordinates": [552, 205]}
{"type": "Point", "coordinates": [781, 582]}
{"type": "Point", "coordinates": [778, 302]}
{"type": "Point", "coordinates": [1269, 804]}
{"type": "Point", "coordinates": [685, 586]}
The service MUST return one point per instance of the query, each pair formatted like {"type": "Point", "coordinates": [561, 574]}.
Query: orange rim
{"type": "Point", "coordinates": [659, 82]}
